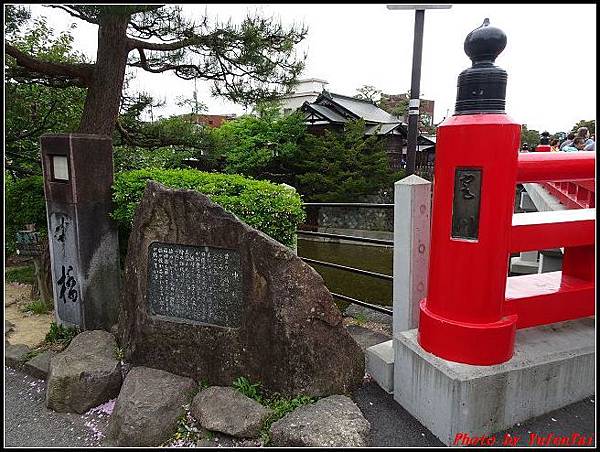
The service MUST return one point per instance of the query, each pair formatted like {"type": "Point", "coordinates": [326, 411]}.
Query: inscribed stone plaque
{"type": "Point", "coordinates": [197, 283]}
{"type": "Point", "coordinates": [465, 208]}
{"type": "Point", "coordinates": [63, 246]}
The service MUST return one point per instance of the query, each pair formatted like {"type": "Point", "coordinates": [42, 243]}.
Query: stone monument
{"type": "Point", "coordinates": [208, 297]}
{"type": "Point", "coordinates": [84, 251]}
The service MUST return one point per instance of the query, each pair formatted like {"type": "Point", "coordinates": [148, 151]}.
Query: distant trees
{"type": "Point", "coordinates": [332, 167]}
{"type": "Point", "coordinates": [368, 92]}
{"type": "Point", "coordinates": [529, 137]}
{"type": "Point", "coordinates": [343, 167]}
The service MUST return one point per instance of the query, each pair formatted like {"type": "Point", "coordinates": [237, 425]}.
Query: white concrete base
{"type": "Point", "coordinates": [553, 366]}
{"type": "Point", "coordinates": [380, 365]}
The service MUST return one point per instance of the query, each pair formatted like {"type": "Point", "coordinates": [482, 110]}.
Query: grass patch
{"type": "Point", "coordinates": [119, 354]}
{"type": "Point", "coordinates": [279, 404]}
{"type": "Point", "coordinates": [360, 319]}
{"type": "Point", "coordinates": [60, 334]}
{"type": "Point", "coordinates": [22, 275]}
{"type": "Point", "coordinates": [252, 390]}
{"type": "Point", "coordinates": [203, 384]}
{"type": "Point", "coordinates": [37, 307]}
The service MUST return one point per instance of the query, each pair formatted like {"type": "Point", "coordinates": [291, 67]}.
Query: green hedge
{"type": "Point", "coordinates": [25, 204]}
{"type": "Point", "coordinates": [270, 208]}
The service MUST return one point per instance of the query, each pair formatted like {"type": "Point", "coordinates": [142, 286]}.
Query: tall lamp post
{"type": "Point", "coordinates": [415, 85]}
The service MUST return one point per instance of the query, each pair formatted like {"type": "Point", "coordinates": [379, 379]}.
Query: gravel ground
{"type": "Point", "coordinates": [28, 423]}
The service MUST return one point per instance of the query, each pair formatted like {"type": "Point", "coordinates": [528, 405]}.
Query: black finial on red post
{"type": "Point", "coordinates": [482, 87]}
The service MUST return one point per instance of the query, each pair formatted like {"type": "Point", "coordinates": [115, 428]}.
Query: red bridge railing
{"type": "Point", "coordinates": [556, 296]}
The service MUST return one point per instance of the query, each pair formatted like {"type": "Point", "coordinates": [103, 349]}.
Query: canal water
{"type": "Point", "coordinates": [365, 257]}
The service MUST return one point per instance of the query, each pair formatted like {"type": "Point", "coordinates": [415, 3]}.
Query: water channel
{"type": "Point", "coordinates": [365, 257]}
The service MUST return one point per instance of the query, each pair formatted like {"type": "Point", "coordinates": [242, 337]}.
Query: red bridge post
{"type": "Point", "coordinates": [475, 176]}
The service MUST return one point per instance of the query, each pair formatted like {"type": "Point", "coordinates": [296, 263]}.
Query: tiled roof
{"type": "Point", "coordinates": [362, 108]}
{"type": "Point", "coordinates": [328, 113]}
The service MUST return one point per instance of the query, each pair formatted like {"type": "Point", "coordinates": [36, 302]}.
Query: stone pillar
{"type": "Point", "coordinates": [412, 214]}
{"type": "Point", "coordinates": [84, 251]}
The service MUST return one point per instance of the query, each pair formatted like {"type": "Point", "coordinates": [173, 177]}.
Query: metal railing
{"type": "Point", "coordinates": [355, 239]}
{"type": "Point", "coordinates": [349, 269]}
{"type": "Point", "coordinates": [347, 237]}
{"type": "Point", "coordinates": [349, 204]}
{"type": "Point", "coordinates": [362, 303]}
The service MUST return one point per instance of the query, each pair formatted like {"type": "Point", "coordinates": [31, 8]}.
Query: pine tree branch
{"type": "Point", "coordinates": [75, 13]}
{"type": "Point", "coordinates": [138, 44]}
{"type": "Point", "coordinates": [82, 72]}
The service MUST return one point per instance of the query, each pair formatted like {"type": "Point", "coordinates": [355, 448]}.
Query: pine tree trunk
{"type": "Point", "coordinates": [103, 99]}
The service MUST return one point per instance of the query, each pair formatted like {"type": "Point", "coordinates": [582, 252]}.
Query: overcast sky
{"type": "Point", "coordinates": [550, 56]}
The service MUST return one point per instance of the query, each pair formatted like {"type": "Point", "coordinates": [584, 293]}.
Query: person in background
{"type": "Point", "coordinates": [554, 145]}
{"type": "Point", "coordinates": [577, 145]}
{"type": "Point", "coordinates": [545, 138]}
{"type": "Point", "coordinates": [590, 144]}
{"type": "Point", "coordinates": [568, 141]}
{"type": "Point", "coordinates": [584, 133]}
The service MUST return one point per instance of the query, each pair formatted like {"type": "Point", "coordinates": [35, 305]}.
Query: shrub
{"type": "Point", "coordinates": [270, 208]}
{"type": "Point", "coordinates": [25, 204]}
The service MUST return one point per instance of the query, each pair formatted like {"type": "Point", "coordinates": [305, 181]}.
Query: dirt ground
{"type": "Point", "coordinates": [29, 329]}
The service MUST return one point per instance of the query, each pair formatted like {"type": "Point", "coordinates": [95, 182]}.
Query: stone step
{"type": "Point", "coordinates": [380, 364]}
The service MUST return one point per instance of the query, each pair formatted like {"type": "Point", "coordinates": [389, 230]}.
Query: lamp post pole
{"type": "Point", "coordinates": [415, 85]}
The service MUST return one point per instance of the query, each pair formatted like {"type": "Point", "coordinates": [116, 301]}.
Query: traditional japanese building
{"type": "Point", "coordinates": [332, 111]}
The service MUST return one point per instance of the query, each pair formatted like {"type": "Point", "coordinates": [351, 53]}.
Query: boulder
{"type": "Point", "coordinates": [280, 326]}
{"type": "Point", "coordinates": [148, 406]}
{"type": "Point", "coordinates": [226, 410]}
{"type": "Point", "coordinates": [85, 374]}
{"type": "Point", "coordinates": [39, 366]}
{"type": "Point", "coordinates": [334, 421]}
{"type": "Point", "coordinates": [14, 355]}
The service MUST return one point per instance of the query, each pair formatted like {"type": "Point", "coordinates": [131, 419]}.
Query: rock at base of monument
{"type": "Point", "coordinates": [334, 421]}
{"type": "Point", "coordinates": [14, 355]}
{"type": "Point", "coordinates": [39, 366]}
{"type": "Point", "coordinates": [277, 324]}
{"type": "Point", "coordinates": [8, 327]}
{"type": "Point", "coordinates": [84, 375]}
{"type": "Point", "coordinates": [148, 406]}
{"type": "Point", "coordinates": [226, 410]}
